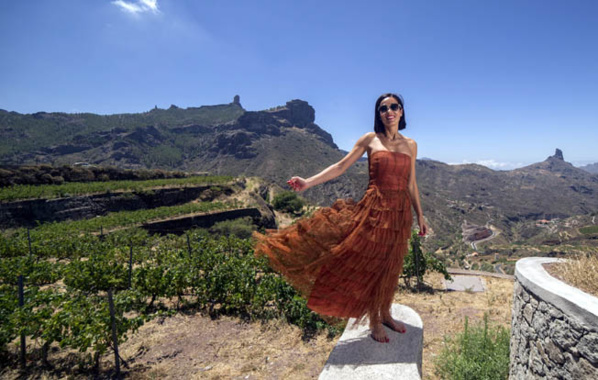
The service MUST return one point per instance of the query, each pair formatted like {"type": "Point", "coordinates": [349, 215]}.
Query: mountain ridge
{"type": "Point", "coordinates": [278, 143]}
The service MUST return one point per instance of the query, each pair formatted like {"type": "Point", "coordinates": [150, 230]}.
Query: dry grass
{"type": "Point", "coordinates": [580, 271]}
{"type": "Point", "coordinates": [196, 347]}
{"type": "Point", "coordinates": [443, 313]}
{"type": "Point", "coordinates": [227, 348]}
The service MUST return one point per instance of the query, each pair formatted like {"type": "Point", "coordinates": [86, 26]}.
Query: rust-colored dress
{"type": "Point", "coordinates": [346, 259]}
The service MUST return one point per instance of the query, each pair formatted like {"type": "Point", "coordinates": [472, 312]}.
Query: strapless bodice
{"type": "Point", "coordinates": [389, 170]}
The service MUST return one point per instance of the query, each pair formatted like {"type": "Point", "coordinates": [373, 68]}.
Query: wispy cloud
{"type": "Point", "coordinates": [492, 164]}
{"type": "Point", "coordinates": [138, 7]}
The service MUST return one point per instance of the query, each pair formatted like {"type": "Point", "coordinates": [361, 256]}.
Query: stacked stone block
{"type": "Point", "coordinates": [547, 343]}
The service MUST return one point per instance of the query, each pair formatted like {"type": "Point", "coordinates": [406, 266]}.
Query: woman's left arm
{"type": "Point", "coordinates": [414, 192]}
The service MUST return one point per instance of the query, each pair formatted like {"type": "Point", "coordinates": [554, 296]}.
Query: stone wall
{"type": "Point", "coordinates": [554, 327]}
{"type": "Point", "coordinates": [181, 224]}
{"type": "Point", "coordinates": [27, 213]}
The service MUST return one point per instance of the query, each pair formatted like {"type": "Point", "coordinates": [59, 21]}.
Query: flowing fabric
{"type": "Point", "coordinates": [346, 259]}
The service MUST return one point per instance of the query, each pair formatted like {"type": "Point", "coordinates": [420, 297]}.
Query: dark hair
{"type": "Point", "coordinates": [378, 125]}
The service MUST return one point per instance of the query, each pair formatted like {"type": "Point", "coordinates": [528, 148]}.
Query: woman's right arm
{"type": "Point", "coordinates": [334, 170]}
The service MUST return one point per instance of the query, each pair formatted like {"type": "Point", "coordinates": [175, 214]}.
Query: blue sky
{"type": "Point", "coordinates": [502, 83]}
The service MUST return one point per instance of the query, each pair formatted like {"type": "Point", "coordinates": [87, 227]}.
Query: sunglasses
{"type": "Point", "coordinates": [394, 107]}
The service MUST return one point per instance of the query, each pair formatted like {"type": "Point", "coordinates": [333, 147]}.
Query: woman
{"type": "Point", "coordinates": [347, 258]}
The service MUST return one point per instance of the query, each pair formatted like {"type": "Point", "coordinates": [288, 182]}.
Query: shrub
{"type": "Point", "coordinates": [46, 178]}
{"type": "Point", "coordinates": [288, 201]}
{"type": "Point", "coordinates": [240, 227]}
{"type": "Point", "coordinates": [479, 352]}
{"type": "Point", "coordinates": [487, 267]}
{"type": "Point", "coordinates": [589, 230]}
{"type": "Point", "coordinates": [418, 263]}
{"type": "Point", "coordinates": [58, 180]}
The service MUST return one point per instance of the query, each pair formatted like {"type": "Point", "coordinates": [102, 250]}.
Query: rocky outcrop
{"type": "Point", "coordinates": [237, 100]}
{"type": "Point", "coordinates": [194, 129]}
{"type": "Point", "coordinates": [236, 138]}
{"type": "Point", "coordinates": [558, 154]}
{"type": "Point", "coordinates": [297, 112]}
{"type": "Point", "coordinates": [300, 114]}
{"type": "Point", "coordinates": [260, 122]}
{"type": "Point", "coordinates": [149, 135]}
{"type": "Point", "coordinates": [236, 143]}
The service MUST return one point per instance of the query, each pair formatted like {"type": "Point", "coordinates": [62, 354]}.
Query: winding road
{"type": "Point", "coordinates": [473, 243]}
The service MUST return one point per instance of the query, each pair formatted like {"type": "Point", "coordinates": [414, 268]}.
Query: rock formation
{"type": "Point", "coordinates": [558, 154]}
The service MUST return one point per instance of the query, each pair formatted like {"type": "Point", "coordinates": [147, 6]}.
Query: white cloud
{"type": "Point", "coordinates": [140, 6]}
{"type": "Point", "coordinates": [492, 164]}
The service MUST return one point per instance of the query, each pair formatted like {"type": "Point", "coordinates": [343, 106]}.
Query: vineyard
{"type": "Point", "coordinates": [85, 286]}
{"type": "Point", "coordinates": [67, 277]}
{"type": "Point", "coordinates": [131, 218]}
{"type": "Point", "coordinates": [15, 192]}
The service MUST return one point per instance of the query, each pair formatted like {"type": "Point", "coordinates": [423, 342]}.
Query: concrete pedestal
{"type": "Point", "coordinates": [358, 356]}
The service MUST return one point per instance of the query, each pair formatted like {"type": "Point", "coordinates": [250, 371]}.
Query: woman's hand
{"type": "Point", "coordinates": [423, 227]}
{"type": "Point", "coordinates": [298, 183]}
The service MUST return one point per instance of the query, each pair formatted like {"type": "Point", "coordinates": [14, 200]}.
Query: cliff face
{"type": "Point", "coordinates": [296, 113]}
{"type": "Point", "coordinates": [239, 138]}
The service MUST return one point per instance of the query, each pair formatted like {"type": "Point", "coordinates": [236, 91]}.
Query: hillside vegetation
{"type": "Point", "coordinates": [42, 130]}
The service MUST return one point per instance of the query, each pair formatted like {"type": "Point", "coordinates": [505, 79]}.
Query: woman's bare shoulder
{"type": "Point", "coordinates": [412, 145]}
{"type": "Point", "coordinates": [410, 141]}
{"type": "Point", "coordinates": [366, 138]}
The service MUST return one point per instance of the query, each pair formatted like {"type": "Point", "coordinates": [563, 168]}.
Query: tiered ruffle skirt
{"type": "Point", "coordinates": [345, 259]}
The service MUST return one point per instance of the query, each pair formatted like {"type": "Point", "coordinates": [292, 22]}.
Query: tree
{"type": "Point", "coordinates": [288, 201]}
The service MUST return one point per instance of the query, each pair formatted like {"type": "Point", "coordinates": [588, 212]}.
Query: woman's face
{"type": "Point", "coordinates": [390, 112]}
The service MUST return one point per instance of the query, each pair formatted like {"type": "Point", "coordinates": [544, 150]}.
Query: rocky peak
{"type": "Point", "coordinates": [237, 100]}
{"type": "Point", "coordinates": [297, 112]}
{"type": "Point", "coordinates": [558, 154]}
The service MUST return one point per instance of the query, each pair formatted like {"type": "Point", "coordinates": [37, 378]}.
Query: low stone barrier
{"type": "Point", "coordinates": [357, 356]}
{"type": "Point", "coordinates": [26, 213]}
{"type": "Point", "coordinates": [554, 326]}
{"type": "Point", "coordinates": [179, 225]}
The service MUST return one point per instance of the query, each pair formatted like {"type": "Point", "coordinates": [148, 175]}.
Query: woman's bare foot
{"type": "Point", "coordinates": [378, 333]}
{"type": "Point", "coordinates": [397, 326]}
